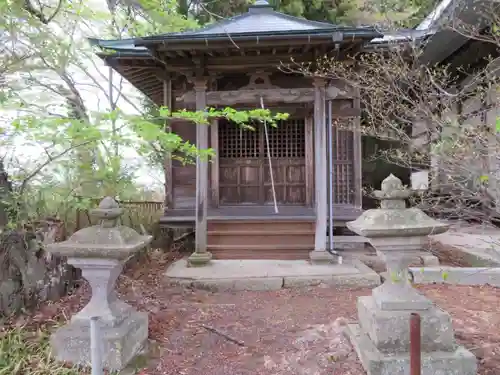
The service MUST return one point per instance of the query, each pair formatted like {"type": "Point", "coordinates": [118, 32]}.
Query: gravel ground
{"type": "Point", "coordinates": [290, 331]}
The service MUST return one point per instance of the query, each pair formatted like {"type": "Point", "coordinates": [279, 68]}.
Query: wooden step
{"type": "Point", "coordinates": [256, 237]}
{"type": "Point", "coordinates": [287, 252]}
{"type": "Point", "coordinates": [260, 225]}
{"type": "Point", "coordinates": [260, 238]}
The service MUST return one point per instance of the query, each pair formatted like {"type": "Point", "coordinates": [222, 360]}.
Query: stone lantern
{"type": "Point", "coordinates": [382, 337]}
{"type": "Point", "coordinates": [101, 251]}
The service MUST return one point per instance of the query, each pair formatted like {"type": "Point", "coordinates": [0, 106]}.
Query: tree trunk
{"type": "Point", "coordinates": [5, 191]}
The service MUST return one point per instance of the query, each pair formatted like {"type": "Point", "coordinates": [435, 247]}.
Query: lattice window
{"type": "Point", "coordinates": [237, 142]}
{"type": "Point", "coordinates": [343, 153]}
{"type": "Point", "coordinates": [342, 145]}
{"type": "Point", "coordinates": [287, 139]}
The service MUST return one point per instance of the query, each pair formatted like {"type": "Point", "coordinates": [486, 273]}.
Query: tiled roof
{"type": "Point", "coordinates": [260, 18]}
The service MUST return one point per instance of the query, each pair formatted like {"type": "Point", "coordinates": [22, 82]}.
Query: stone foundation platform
{"type": "Point", "coordinates": [250, 274]}
{"type": "Point", "coordinates": [119, 344]}
{"type": "Point", "coordinates": [382, 341]}
{"type": "Point", "coordinates": [457, 362]}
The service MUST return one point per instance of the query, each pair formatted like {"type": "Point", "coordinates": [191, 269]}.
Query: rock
{"type": "Point", "coordinates": [29, 274]}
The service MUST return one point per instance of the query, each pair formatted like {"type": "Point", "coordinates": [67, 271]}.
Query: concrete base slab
{"type": "Point", "coordinates": [477, 245]}
{"type": "Point", "coordinates": [458, 362]}
{"type": "Point", "coordinates": [120, 344]}
{"type": "Point", "coordinates": [456, 275]}
{"type": "Point", "coordinates": [270, 274]}
{"type": "Point", "coordinates": [316, 256]}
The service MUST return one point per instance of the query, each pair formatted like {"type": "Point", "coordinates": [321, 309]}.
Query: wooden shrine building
{"type": "Point", "coordinates": [308, 169]}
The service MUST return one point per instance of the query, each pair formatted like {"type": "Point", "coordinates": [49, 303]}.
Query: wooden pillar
{"type": "Point", "coordinates": [309, 148]}
{"type": "Point", "coordinates": [214, 175]}
{"type": "Point", "coordinates": [201, 256]}
{"type": "Point", "coordinates": [167, 102]}
{"type": "Point", "coordinates": [320, 160]}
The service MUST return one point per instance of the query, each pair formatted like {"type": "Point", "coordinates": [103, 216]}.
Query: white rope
{"type": "Point", "coordinates": [269, 160]}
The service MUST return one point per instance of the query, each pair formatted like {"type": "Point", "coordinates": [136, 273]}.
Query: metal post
{"type": "Point", "coordinates": [95, 347]}
{"type": "Point", "coordinates": [415, 345]}
{"type": "Point", "coordinates": [269, 161]}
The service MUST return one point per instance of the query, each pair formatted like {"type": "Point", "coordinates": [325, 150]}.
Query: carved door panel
{"type": "Point", "coordinates": [245, 176]}
{"type": "Point", "coordinates": [240, 181]}
{"type": "Point", "coordinates": [287, 150]}
{"type": "Point", "coordinates": [240, 163]}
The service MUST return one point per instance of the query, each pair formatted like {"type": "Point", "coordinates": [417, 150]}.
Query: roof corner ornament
{"type": "Point", "coordinates": [261, 3]}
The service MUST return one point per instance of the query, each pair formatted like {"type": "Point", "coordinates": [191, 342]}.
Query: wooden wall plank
{"type": "Point", "coordinates": [184, 175]}
{"type": "Point", "coordinates": [358, 157]}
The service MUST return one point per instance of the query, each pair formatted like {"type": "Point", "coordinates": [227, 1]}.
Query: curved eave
{"type": "Point", "coordinates": [142, 69]}
{"type": "Point", "coordinates": [124, 54]}
{"type": "Point", "coordinates": [387, 45]}
{"type": "Point", "coordinates": [333, 34]}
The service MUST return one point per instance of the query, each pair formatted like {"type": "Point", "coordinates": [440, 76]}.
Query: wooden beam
{"type": "Point", "coordinates": [118, 62]}
{"type": "Point", "coordinates": [321, 196]}
{"type": "Point", "coordinates": [147, 86]}
{"type": "Point", "coordinates": [226, 61]}
{"type": "Point", "coordinates": [239, 61]}
{"type": "Point", "coordinates": [346, 113]}
{"type": "Point", "coordinates": [229, 98]}
{"type": "Point", "coordinates": [160, 74]}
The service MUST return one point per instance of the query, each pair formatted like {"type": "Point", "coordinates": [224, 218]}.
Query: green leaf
{"type": "Point", "coordinates": [444, 275]}
{"type": "Point", "coordinates": [164, 112]}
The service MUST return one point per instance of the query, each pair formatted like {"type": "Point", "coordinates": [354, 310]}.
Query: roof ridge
{"type": "Point", "coordinates": [300, 24]}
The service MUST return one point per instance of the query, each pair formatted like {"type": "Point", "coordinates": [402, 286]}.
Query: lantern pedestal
{"type": "Point", "coordinates": [382, 336]}
{"type": "Point", "coordinates": [100, 252]}
{"type": "Point", "coordinates": [120, 343]}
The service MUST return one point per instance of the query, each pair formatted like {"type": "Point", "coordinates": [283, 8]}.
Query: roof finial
{"type": "Point", "coordinates": [260, 6]}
